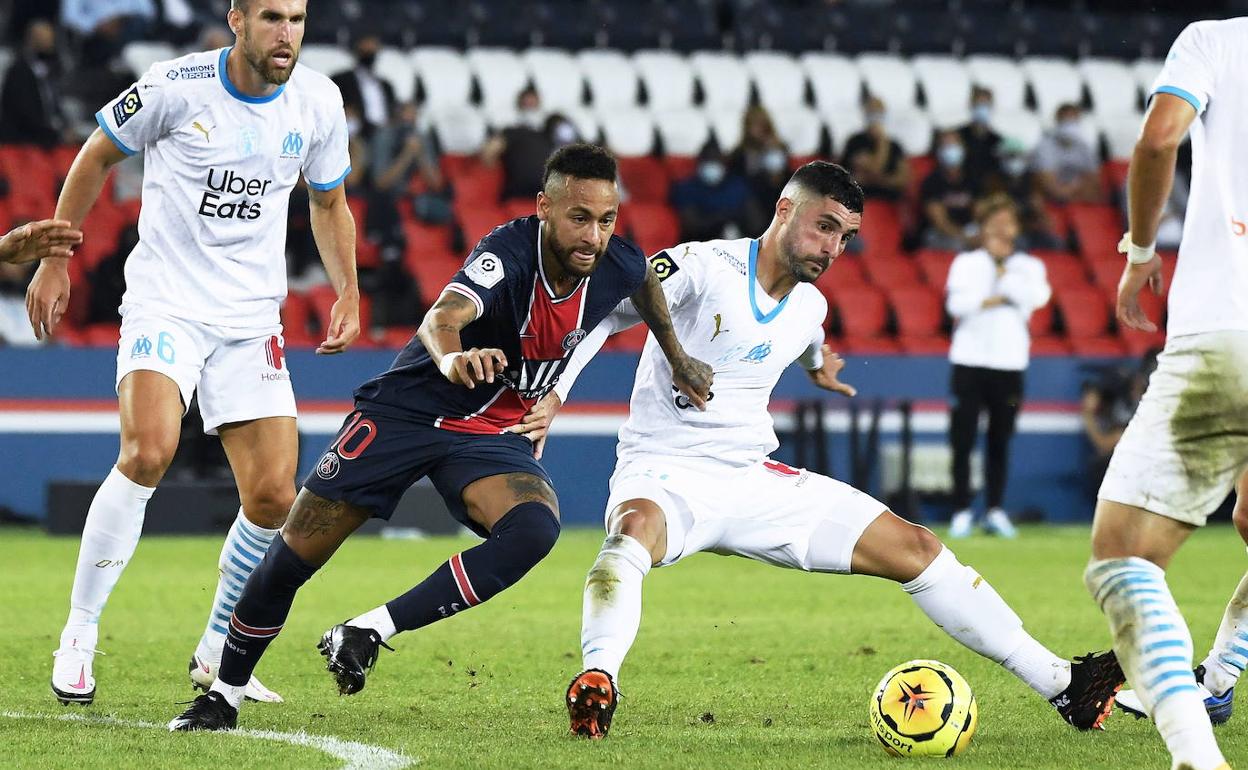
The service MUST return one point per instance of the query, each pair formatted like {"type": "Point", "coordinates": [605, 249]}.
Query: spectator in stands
{"type": "Point", "coordinates": [521, 148]}
{"type": "Point", "coordinates": [714, 202]}
{"type": "Point", "coordinates": [1019, 182]}
{"type": "Point", "coordinates": [407, 162]}
{"type": "Point", "coordinates": [763, 159]}
{"type": "Point", "coordinates": [100, 76]}
{"type": "Point", "coordinates": [1108, 403]}
{"type": "Point", "coordinates": [991, 293]}
{"type": "Point", "coordinates": [13, 282]}
{"type": "Point", "coordinates": [129, 18]}
{"type": "Point", "coordinates": [561, 130]}
{"type": "Point", "coordinates": [371, 97]}
{"type": "Point", "coordinates": [875, 158]}
{"type": "Point", "coordinates": [30, 111]}
{"type": "Point", "coordinates": [983, 145]}
{"type": "Point", "coordinates": [946, 198]}
{"type": "Point", "coordinates": [1067, 165]}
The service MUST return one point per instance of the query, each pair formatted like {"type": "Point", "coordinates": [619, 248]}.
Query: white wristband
{"type": "Point", "coordinates": [448, 363]}
{"type": "Point", "coordinates": [1138, 255]}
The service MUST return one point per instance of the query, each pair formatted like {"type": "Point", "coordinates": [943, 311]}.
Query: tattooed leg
{"type": "Point", "coordinates": [316, 526]}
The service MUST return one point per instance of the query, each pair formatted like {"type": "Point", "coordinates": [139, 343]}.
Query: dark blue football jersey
{"type": "Point", "coordinates": [517, 312]}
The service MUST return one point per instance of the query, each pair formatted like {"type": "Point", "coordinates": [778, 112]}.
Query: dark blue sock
{"type": "Point", "coordinates": [261, 611]}
{"type": "Point", "coordinates": [517, 543]}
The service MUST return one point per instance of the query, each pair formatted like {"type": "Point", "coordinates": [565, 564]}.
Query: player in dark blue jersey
{"type": "Point", "coordinates": [493, 345]}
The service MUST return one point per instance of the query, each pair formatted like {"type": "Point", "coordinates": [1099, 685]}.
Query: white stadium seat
{"type": "Point", "coordinates": [684, 131]}
{"type": "Point", "coordinates": [461, 130]}
{"type": "Point", "coordinates": [611, 76]}
{"type": "Point", "coordinates": [328, 60]}
{"type": "Point", "coordinates": [725, 126]}
{"type": "Point", "coordinates": [912, 129]}
{"type": "Point", "coordinates": [586, 121]}
{"type": "Point", "coordinates": [500, 74]}
{"type": "Point", "coordinates": [1000, 75]}
{"type": "Point", "coordinates": [668, 79]}
{"type": "Point", "coordinates": [725, 81]}
{"type": "Point", "coordinates": [889, 78]}
{"type": "Point", "coordinates": [139, 56]}
{"type": "Point", "coordinates": [953, 117]}
{"type": "Point", "coordinates": [800, 128]}
{"type": "Point", "coordinates": [1112, 86]}
{"type": "Point", "coordinates": [556, 76]}
{"type": "Point", "coordinates": [945, 83]}
{"type": "Point", "coordinates": [628, 132]}
{"type": "Point", "coordinates": [1054, 82]}
{"type": "Point", "coordinates": [835, 80]}
{"type": "Point", "coordinates": [778, 79]}
{"type": "Point", "coordinates": [1120, 133]}
{"type": "Point", "coordinates": [1146, 72]}
{"type": "Point", "coordinates": [1020, 125]}
{"type": "Point", "coordinates": [843, 123]}
{"type": "Point", "coordinates": [397, 68]}
{"type": "Point", "coordinates": [445, 76]}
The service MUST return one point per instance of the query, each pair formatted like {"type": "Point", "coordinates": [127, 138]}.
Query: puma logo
{"type": "Point", "coordinates": [200, 128]}
{"type": "Point", "coordinates": [719, 320]}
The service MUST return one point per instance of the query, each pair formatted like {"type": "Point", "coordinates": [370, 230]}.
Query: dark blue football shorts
{"type": "Point", "coordinates": [381, 451]}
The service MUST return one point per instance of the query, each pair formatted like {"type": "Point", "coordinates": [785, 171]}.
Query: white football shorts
{"type": "Point", "coordinates": [1188, 441]}
{"type": "Point", "coordinates": [769, 512]}
{"type": "Point", "coordinates": [241, 374]}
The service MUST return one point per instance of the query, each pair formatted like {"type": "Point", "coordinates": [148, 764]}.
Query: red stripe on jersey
{"type": "Point", "coordinates": [500, 414]}
{"type": "Point", "coordinates": [550, 322]}
{"type": "Point", "coordinates": [461, 580]}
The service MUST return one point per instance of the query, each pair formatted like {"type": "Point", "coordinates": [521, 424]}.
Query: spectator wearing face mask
{"type": "Point", "coordinates": [371, 97]}
{"type": "Point", "coordinates": [1066, 164]}
{"type": "Point", "coordinates": [30, 111]}
{"type": "Point", "coordinates": [875, 158]}
{"type": "Point", "coordinates": [714, 202]}
{"type": "Point", "coordinates": [763, 159]}
{"type": "Point", "coordinates": [946, 197]}
{"type": "Point", "coordinates": [1016, 180]}
{"type": "Point", "coordinates": [521, 148]}
{"type": "Point", "coordinates": [983, 145]}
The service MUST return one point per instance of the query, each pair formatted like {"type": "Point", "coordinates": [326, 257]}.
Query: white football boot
{"type": "Point", "coordinates": [72, 677]}
{"type": "Point", "coordinates": [203, 671]}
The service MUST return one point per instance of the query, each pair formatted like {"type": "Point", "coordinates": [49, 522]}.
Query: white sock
{"type": "Point", "coordinates": [1154, 648]}
{"type": "Point", "coordinates": [1229, 656]}
{"type": "Point", "coordinates": [109, 537]}
{"type": "Point", "coordinates": [244, 547]}
{"type": "Point", "coordinates": [612, 610]}
{"type": "Point", "coordinates": [233, 694]}
{"type": "Point", "coordinates": [967, 608]}
{"type": "Point", "coordinates": [377, 619]}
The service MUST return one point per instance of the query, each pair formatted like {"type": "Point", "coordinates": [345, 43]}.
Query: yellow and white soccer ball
{"type": "Point", "coordinates": [923, 708]}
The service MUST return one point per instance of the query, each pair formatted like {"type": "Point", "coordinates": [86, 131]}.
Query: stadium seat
{"type": "Point", "coordinates": [586, 121]}
{"type": "Point", "coordinates": [1098, 347]}
{"type": "Point", "coordinates": [366, 251]}
{"type": "Point", "coordinates": [889, 78]}
{"type": "Point", "coordinates": [862, 311]}
{"type": "Point", "coordinates": [1111, 85]}
{"type": "Point", "coordinates": [653, 226]}
{"type": "Point", "coordinates": [501, 76]}
{"type": "Point", "coordinates": [683, 131]}
{"type": "Point", "coordinates": [516, 208]}
{"type": "Point", "coordinates": [1064, 269]}
{"type": "Point", "coordinates": [1146, 72]}
{"type": "Point", "coordinates": [425, 238]}
{"type": "Point", "coordinates": [912, 129]}
{"type": "Point", "coordinates": [478, 220]}
{"type": "Point", "coordinates": [918, 309]}
{"type": "Point", "coordinates": [945, 82]}
{"type": "Point", "coordinates": [1097, 228]}
{"type": "Point", "coordinates": [1120, 132]}
{"type": "Point", "coordinates": [445, 78]}
{"type": "Point", "coordinates": [432, 270]}
{"type": "Point", "coordinates": [321, 300]}
{"type": "Point", "coordinates": [842, 122]}
{"type": "Point", "coordinates": [102, 335]}
{"type": "Point", "coordinates": [1054, 82]}
{"type": "Point", "coordinates": [645, 179]}
{"type": "Point", "coordinates": [865, 346]}
{"type": "Point", "coordinates": [1041, 321]}
{"type": "Point", "coordinates": [396, 337]}
{"type": "Point", "coordinates": [725, 80]}
{"type": "Point", "coordinates": [934, 266]}
{"type": "Point", "coordinates": [667, 77]}
{"type": "Point", "coordinates": [800, 129]}
{"type": "Point", "coordinates": [556, 77]}
{"type": "Point", "coordinates": [1002, 76]}
{"type": "Point", "coordinates": [845, 272]}
{"type": "Point", "coordinates": [930, 345]}
{"type": "Point", "coordinates": [140, 55]}
{"type": "Point", "coordinates": [297, 326]}
{"type": "Point", "coordinates": [887, 271]}
{"type": "Point", "coordinates": [726, 126]}
{"type": "Point", "coordinates": [778, 79]}
{"type": "Point", "coordinates": [461, 130]}
{"type": "Point", "coordinates": [1106, 271]}
{"type": "Point", "coordinates": [628, 132]}
{"type": "Point", "coordinates": [329, 60]}
{"type": "Point", "coordinates": [1049, 346]}
{"type": "Point", "coordinates": [472, 181]}
{"type": "Point", "coordinates": [881, 229]}
{"type": "Point", "coordinates": [1019, 124]}
{"type": "Point", "coordinates": [399, 70]}
{"type": "Point", "coordinates": [611, 77]}
{"type": "Point", "coordinates": [1084, 312]}
{"type": "Point", "coordinates": [835, 80]}
{"type": "Point", "coordinates": [1138, 343]}
{"type": "Point", "coordinates": [681, 166]}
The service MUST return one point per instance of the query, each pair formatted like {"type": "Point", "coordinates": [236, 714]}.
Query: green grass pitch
{"type": "Point", "coordinates": [737, 664]}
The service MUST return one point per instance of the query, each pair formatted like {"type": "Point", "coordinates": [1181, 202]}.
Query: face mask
{"type": "Point", "coordinates": [950, 155]}
{"type": "Point", "coordinates": [981, 113]}
{"type": "Point", "coordinates": [875, 118]}
{"type": "Point", "coordinates": [1069, 130]}
{"type": "Point", "coordinates": [712, 172]}
{"type": "Point", "coordinates": [773, 161]}
{"type": "Point", "coordinates": [366, 60]}
{"type": "Point", "coordinates": [531, 118]}
{"type": "Point", "coordinates": [1015, 165]}
{"type": "Point", "coordinates": [565, 133]}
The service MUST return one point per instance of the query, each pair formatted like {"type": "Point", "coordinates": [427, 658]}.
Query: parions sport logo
{"type": "Point", "coordinates": [223, 182]}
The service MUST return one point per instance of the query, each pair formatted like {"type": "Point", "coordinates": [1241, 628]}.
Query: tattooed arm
{"type": "Point", "coordinates": [439, 333]}
{"type": "Point", "coordinates": [690, 375]}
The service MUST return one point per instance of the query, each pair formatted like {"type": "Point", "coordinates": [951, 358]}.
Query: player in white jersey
{"type": "Point", "coordinates": [36, 240]}
{"type": "Point", "coordinates": [688, 480]}
{"type": "Point", "coordinates": [226, 136]}
{"type": "Point", "coordinates": [1188, 441]}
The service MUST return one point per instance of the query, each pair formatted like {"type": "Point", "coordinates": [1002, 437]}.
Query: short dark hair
{"type": "Point", "coordinates": [580, 161]}
{"type": "Point", "coordinates": [830, 180]}
{"type": "Point", "coordinates": [240, 5]}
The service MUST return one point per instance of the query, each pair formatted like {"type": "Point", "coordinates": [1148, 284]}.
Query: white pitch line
{"type": "Point", "coordinates": [356, 756]}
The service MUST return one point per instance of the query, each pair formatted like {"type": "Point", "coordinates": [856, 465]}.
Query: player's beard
{"type": "Point", "coordinates": [259, 61]}
{"type": "Point", "coordinates": [801, 268]}
{"type": "Point", "coordinates": [564, 256]}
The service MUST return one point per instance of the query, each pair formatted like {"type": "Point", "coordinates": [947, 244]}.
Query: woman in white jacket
{"type": "Point", "coordinates": [991, 293]}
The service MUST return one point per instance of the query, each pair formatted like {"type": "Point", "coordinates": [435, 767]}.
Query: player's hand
{"type": "Point", "coordinates": [36, 240]}
{"type": "Point", "coordinates": [478, 365]}
{"type": "Point", "coordinates": [344, 324]}
{"type": "Point", "coordinates": [536, 422]}
{"type": "Point", "coordinates": [1134, 278]}
{"type": "Point", "coordinates": [826, 376]}
{"type": "Point", "coordinates": [47, 297]}
{"type": "Point", "coordinates": [693, 378]}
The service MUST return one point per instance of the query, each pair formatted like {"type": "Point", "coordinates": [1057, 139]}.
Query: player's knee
{"type": "Point", "coordinates": [641, 520]}
{"type": "Point", "coordinates": [921, 547]}
{"type": "Point", "coordinates": [1240, 517]}
{"type": "Point", "coordinates": [527, 533]}
{"type": "Point", "coordinates": [145, 458]}
{"type": "Point", "coordinates": [268, 502]}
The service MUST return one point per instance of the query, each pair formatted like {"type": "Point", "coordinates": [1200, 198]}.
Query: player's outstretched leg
{"type": "Point", "coordinates": [964, 605]}
{"type": "Point", "coordinates": [520, 512]}
{"type": "Point", "coordinates": [1150, 635]}
{"type": "Point", "coordinates": [315, 530]}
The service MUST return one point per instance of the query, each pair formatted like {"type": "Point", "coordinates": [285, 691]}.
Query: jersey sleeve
{"type": "Point", "coordinates": [490, 272]}
{"type": "Point", "coordinates": [142, 114]}
{"type": "Point", "coordinates": [1189, 70]}
{"type": "Point", "coordinates": [680, 272]}
{"type": "Point", "coordinates": [811, 358]}
{"type": "Point", "coordinates": [328, 160]}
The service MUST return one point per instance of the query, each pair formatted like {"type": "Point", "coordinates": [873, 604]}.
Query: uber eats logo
{"type": "Point", "coordinates": [223, 183]}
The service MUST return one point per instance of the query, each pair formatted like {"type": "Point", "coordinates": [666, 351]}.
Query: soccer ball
{"type": "Point", "coordinates": [923, 708]}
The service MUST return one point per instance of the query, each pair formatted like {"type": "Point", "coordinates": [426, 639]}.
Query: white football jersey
{"type": "Point", "coordinates": [1207, 67]}
{"type": "Point", "coordinates": [723, 317]}
{"type": "Point", "coordinates": [217, 174]}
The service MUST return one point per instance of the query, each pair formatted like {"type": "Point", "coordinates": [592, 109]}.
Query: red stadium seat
{"type": "Point", "coordinates": [934, 345]}
{"type": "Point", "coordinates": [102, 335]}
{"type": "Point", "coordinates": [478, 220]}
{"type": "Point", "coordinates": [1138, 343]}
{"type": "Point", "coordinates": [432, 270]}
{"type": "Point", "coordinates": [881, 229]}
{"type": "Point", "coordinates": [515, 208]}
{"type": "Point", "coordinates": [1064, 269]}
{"type": "Point", "coordinates": [860, 346]}
{"type": "Point", "coordinates": [862, 312]}
{"type": "Point", "coordinates": [890, 271]}
{"type": "Point", "coordinates": [680, 166]}
{"type": "Point", "coordinates": [1098, 347]}
{"type": "Point", "coordinates": [1049, 346]}
{"type": "Point", "coordinates": [423, 237]}
{"type": "Point", "coordinates": [1041, 321]}
{"type": "Point", "coordinates": [1115, 173]}
{"type": "Point", "coordinates": [845, 271]}
{"type": "Point", "coordinates": [653, 226]}
{"type": "Point", "coordinates": [645, 178]}
{"type": "Point", "coordinates": [1085, 312]}
{"type": "Point", "coordinates": [934, 266]}
{"type": "Point", "coordinates": [474, 183]}
{"type": "Point", "coordinates": [396, 336]}
{"type": "Point", "coordinates": [297, 321]}
{"type": "Point", "coordinates": [918, 309]}
{"type": "Point", "coordinates": [1098, 228]}
{"type": "Point", "coordinates": [1106, 271]}
{"type": "Point", "coordinates": [366, 250]}
{"type": "Point", "coordinates": [322, 298]}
